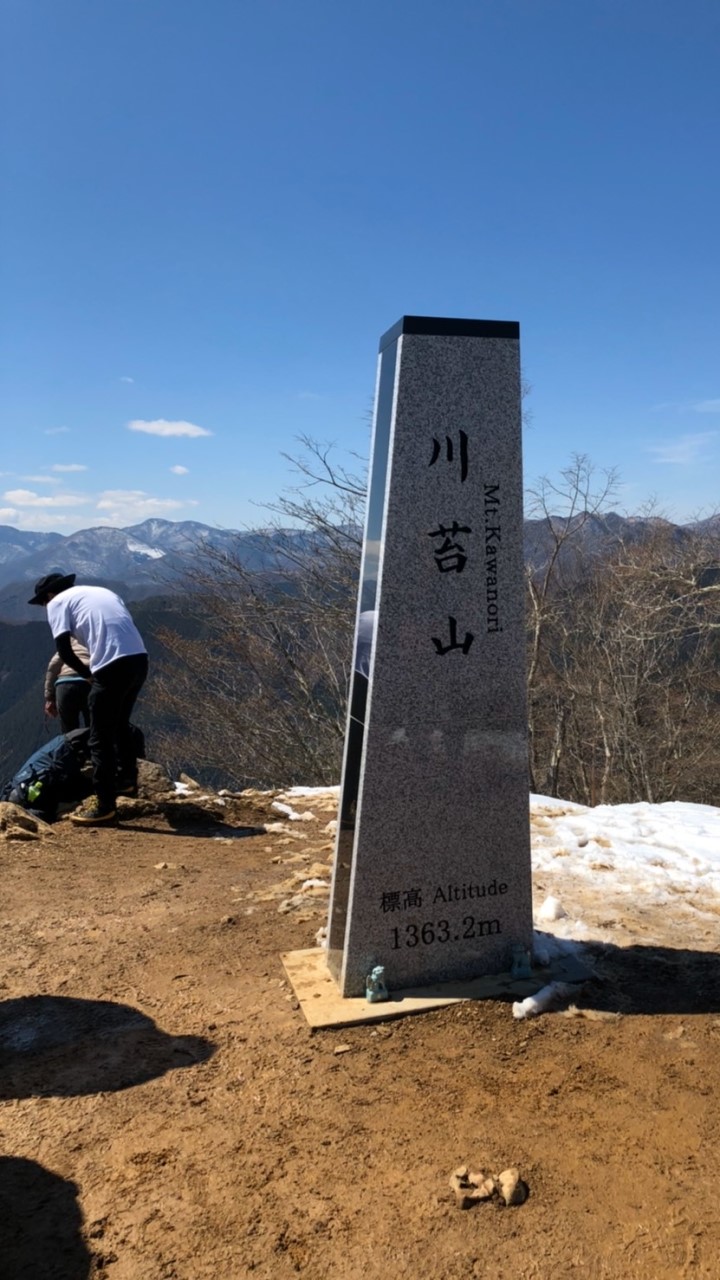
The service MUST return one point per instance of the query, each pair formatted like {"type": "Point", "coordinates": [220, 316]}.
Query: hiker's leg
{"type": "Point", "coordinates": [104, 704]}
{"type": "Point", "coordinates": [71, 699]}
{"type": "Point", "coordinates": [125, 739]}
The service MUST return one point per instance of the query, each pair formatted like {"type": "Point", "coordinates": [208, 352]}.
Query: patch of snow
{"type": "Point", "coordinates": [551, 909]}
{"type": "Point", "coordinates": [312, 791]}
{"type": "Point", "coordinates": [548, 947]}
{"type": "Point", "coordinates": [141, 549]}
{"type": "Point", "coordinates": [629, 873]}
{"type": "Point", "coordinates": [547, 998]}
{"type": "Point", "coordinates": [291, 813]}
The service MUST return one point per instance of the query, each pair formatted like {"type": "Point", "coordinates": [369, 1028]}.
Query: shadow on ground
{"type": "Point", "coordinates": [653, 980]}
{"type": "Point", "coordinates": [185, 820]}
{"type": "Point", "coordinates": [40, 1223]}
{"type": "Point", "coordinates": [58, 1046]}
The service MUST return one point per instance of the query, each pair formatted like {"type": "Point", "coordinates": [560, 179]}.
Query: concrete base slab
{"type": "Point", "coordinates": [320, 1000]}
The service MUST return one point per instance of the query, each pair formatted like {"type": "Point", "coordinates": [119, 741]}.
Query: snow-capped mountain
{"type": "Point", "coordinates": [139, 561]}
{"type": "Point", "coordinates": [15, 543]}
{"type": "Point", "coordinates": [152, 558]}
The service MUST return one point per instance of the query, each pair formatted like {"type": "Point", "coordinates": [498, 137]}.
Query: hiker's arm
{"type": "Point", "coordinates": [69, 657]}
{"type": "Point", "coordinates": [53, 671]}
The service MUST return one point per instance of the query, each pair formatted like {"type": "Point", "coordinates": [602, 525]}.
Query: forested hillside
{"type": "Point", "coordinates": [250, 655]}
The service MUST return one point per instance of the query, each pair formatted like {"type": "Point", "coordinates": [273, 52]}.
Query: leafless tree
{"type": "Point", "coordinates": [623, 644]}
{"type": "Point", "coordinates": [253, 689]}
{"type": "Point", "coordinates": [633, 663]}
{"type": "Point", "coordinates": [560, 511]}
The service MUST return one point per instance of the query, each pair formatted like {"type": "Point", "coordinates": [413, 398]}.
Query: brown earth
{"type": "Point", "coordinates": [166, 1113]}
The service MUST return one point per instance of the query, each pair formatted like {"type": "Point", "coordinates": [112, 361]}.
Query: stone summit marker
{"type": "Point", "coordinates": [432, 869]}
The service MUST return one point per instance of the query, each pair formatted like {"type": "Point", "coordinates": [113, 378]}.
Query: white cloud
{"type": "Point", "coordinates": [39, 520]}
{"type": "Point", "coordinates": [8, 513]}
{"type": "Point", "coordinates": [41, 479]}
{"type": "Point", "coordinates": [126, 506]}
{"type": "Point", "coordinates": [69, 466]}
{"type": "Point", "coordinates": [684, 450]}
{"type": "Point", "coordinates": [127, 379]}
{"type": "Point", "coordinates": [707, 406]}
{"type": "Point", "coordinates": [161, 427]}
{"type": "Point", "coordinates": [56, 431]}
{"type": "Point", "coordinates": [26, 498]}
{"type": "Point", "coordinates": [180, 471]}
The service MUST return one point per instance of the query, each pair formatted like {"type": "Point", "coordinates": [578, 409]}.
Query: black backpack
{"type": "Point", "coordinates": [52, 776]}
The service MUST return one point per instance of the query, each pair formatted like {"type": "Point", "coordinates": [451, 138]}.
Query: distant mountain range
{"type": "Point", "coordinates": [147, 564]}
{"type": "Point", "coordinates": [147, 559]}
{"type": "Point", "coordinates": [152, 558]}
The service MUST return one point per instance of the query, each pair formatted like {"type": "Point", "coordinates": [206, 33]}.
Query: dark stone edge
{"type": "Point", "coordinates": [439, 327]}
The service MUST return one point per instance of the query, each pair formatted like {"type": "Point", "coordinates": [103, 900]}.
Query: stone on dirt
{"type": "Point", "coordinates": [469, 1187]}
{"type": "Point", "coordinates": [17, 824]}
{"type": "Point", "coordinates": [511, 1187]}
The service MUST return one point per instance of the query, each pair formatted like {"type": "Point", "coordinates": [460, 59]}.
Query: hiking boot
{"type": "Point", "coordinates": [92, 813]}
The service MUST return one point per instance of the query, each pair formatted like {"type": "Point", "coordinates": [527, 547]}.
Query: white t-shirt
{"type": "Point", "coordinates": [99, 619]}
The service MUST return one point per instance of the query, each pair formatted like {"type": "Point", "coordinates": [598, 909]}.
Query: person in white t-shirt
{"type": "Point", "coordinates": [117, 667]}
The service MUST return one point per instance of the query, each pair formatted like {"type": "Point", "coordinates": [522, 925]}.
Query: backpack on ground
{"type": "Point", "coordinates": [52, 776]}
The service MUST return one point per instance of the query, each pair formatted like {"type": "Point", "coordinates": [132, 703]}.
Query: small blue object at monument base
{"type": "Point", "coordinates": [520, 967]}
{"type": "Point", "coordinates": [375, 989]}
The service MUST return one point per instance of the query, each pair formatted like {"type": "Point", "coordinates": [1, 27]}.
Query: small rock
{"type": "Point", "coordinates": [161, 866]}
{"type": "Point", "coordinates": [17, 824]}
{"type": "Point", "coordinates": [153, 781]}
{"type": "Point", "coordinates": [469, 1187]}
{"type": "Point", "coordinates": [511, 1187]}
{"type": "Point", "coordinates": [342, 1048]}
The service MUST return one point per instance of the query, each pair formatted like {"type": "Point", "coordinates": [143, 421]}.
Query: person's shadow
{"type": "Point", "coordinates": [61, 1046]}
{"type": "Point", "coordinates": [40, 1224]}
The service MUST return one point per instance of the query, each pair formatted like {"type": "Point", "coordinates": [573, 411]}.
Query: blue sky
{"type": "Point", "coordinates": [213, 210]}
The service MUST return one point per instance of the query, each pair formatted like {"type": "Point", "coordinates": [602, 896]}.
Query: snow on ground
{"type": "Point", "coordinates": [627, 873]}
{"type": "Point", "coordinates": [313, 791]}
{"type": "Point", "coordinates": [624, 874]}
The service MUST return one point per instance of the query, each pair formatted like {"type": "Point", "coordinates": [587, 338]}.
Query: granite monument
{"type": "Point", "coordinates": [432, 869]}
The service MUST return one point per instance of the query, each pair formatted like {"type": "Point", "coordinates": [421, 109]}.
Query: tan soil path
{"type": "Point", "coordinates": [203, 1132]}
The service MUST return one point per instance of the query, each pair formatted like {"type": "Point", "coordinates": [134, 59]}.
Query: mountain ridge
{"type": "Point", "coordinates": [154, 557]}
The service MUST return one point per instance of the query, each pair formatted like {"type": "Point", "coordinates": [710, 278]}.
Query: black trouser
{"type": "Point", "coordinates": [112, 745]}
{"type": "Point", "coordinates": [71, 700]}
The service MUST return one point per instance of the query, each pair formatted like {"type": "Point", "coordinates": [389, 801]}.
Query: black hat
{"type": "Point", "coordinates": [51, 584]}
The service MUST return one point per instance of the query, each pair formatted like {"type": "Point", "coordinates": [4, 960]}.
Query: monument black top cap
{"type": "Point", "coordinates": [444, 327]}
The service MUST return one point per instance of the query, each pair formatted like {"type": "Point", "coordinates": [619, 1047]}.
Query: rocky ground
{"type": "Point", "coordinates": [166, 1113]}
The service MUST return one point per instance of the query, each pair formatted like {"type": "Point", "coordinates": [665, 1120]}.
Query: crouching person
{"type": "Point", "coordinates": [52, 776]}
{"type": "Point", "coordinates": [67, 693]}
{"type": "Point", "coordinates": [117, 666]}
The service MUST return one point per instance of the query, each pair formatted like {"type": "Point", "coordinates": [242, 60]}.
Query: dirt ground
{"type": "Point", "coordinates": [166, 1113]}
